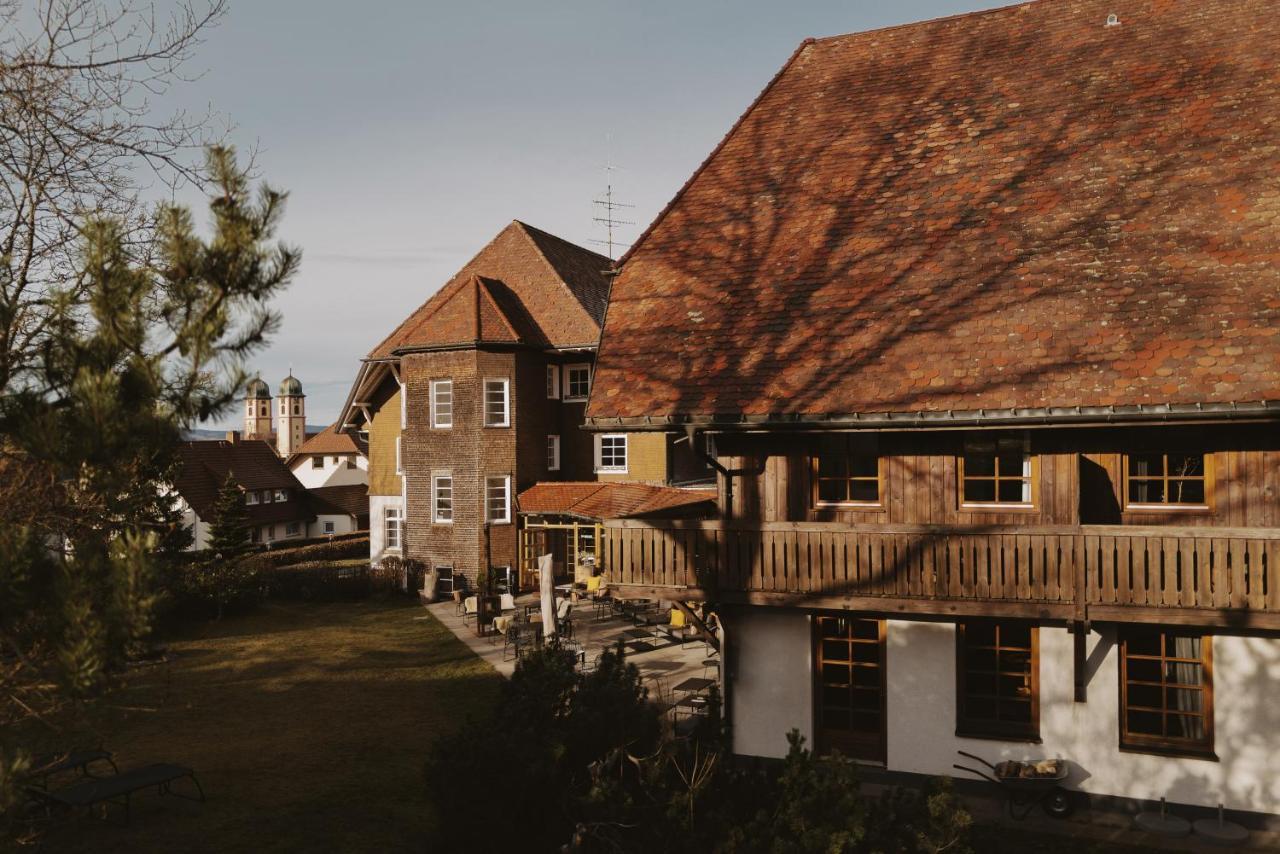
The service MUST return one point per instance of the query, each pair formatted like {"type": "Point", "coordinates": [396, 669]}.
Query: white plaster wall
{"type": "Point", "coordinates": [331, 474]}
{"type": "Point", "coordinates": [377, 503]}
{"type": "Point", "coordinates": [771, 672]}
{"type": "Point", "coordinates": [342, 524]}
{"type": "Point", "coordinates": [921, 702]}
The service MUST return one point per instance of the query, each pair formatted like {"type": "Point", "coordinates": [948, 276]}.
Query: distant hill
{"type": "Point", "coordinates": [205, 434]}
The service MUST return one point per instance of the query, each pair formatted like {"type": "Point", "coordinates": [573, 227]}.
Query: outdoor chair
{"type": "Point", "coordinates": [469, 607]}
{"type": "Point", "coordinates": [564, 625]}
{"type": "Point", "coordinates": [118, 789]}
{"type": "Point", "coordinates": [52, 764]}
{"type": "Point", "coordinates": [676, 627]}
{"type": "Point", "coordinates": [508, 603]}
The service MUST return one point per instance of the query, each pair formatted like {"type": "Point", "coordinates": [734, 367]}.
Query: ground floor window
{"type": "Point", "coordinates": [1166, 691]}
{"type": "Point", "coordinates": [997, 679]}
{"type": "Point", "coordinates": [391, 527]}
{"type": "Point", "coordinates": [292, 529]}
{"type": "Point", "coordinates": [849, 669]}
{"type": "Point", "coordinates": [328, 527]}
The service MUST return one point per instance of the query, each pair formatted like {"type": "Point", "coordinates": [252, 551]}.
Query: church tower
{"type": "Point", "coordinates": [291, 420]}
{"type": "Point", "coordinates": [257, 410]}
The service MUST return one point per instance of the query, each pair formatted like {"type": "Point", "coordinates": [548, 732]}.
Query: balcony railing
{"type": "Point", "coordinates": [1206, 576]}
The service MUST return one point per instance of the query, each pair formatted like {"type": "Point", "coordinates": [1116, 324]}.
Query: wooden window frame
{"type": "Point", "coordinates": [1210, 487]}
{"type": "Point", "coordinates": [816, 503]}
{"type": "Point", "coordinates": [1032, 506]}
{"type": "Point", "coordinates": [436, 518]}
{"type": "Point", "coordinates": [553, 452]}
{"type": "Point", "coordinates": [968, 727]}
{"type": "Point", "coordinates": [436, 387]}
{"type": "Point", "coordinates": [553, 382]}
{"type": "Point", "coordinates": [1163, 745]}
{"type": "Point", "coordinates": [486, 412]}
{"type": "Point", "coordinates": [567, 394]}
{"type": "Point", "coordinates": [817, 659]}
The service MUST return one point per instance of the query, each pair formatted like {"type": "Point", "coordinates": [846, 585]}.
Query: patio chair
{"type": "Point", "coordinates": [676, 627]}
{"type": "Point", "coordinates": [52, 764]}
{"type": "Point", "coordinates": [508, 603]}
{"type": "Point", "coordinates": [469, 607]}
{"type": "Point", "coordinates": [564, 625]}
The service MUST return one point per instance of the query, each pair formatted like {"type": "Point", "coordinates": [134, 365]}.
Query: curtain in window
{"type": "Point", "coordinates": [1184, 699]}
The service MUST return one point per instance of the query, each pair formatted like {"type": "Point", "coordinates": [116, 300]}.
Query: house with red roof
{"type": "Point", "coordinates": [479, 394]}
{"type": "Point", "coordinates": [979, 320]}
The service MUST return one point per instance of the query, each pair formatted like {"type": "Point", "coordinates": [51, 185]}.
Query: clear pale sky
{"type": "Point", "coordinates": [409, 133]}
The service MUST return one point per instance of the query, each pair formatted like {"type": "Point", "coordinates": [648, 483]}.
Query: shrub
{"type": "Point", "coordinates": [211, 587]}
{"type": "Point", "coordinates": [346, 549]}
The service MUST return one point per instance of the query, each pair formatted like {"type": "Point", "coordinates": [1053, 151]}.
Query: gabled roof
{"type": "Point", "coordinates": [327, 441]}
{"type": "Point", "coordinates": [1018, 209]}
{"type": "Point", "coordinates": [613, 500]}
{"type": "Point", "coordinates": [204, 466]}
{"type": "Point", "coordinates": [525, 286]}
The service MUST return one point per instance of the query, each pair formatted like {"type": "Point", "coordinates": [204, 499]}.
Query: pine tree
{"type": "Point", "coordinates": [229, 527]}
{"type": "Point", "coordinates": [137, 344]}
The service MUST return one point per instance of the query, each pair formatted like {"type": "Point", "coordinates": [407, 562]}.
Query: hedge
{"type": "Point", "coordinates": [319, 579]}
{"type": "Point", "coordinates": [349, 548]}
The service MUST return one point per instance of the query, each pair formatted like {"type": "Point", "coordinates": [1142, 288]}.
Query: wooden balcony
{"type": "Point", "coordinates": [1183, 575]}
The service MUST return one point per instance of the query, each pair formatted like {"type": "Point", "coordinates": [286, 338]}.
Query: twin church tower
{"type": "Point", "coordinates": [290, 429]}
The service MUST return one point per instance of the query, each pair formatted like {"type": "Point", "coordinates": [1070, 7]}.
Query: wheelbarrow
{"type": "Point", "coordinates": [1025, 787]}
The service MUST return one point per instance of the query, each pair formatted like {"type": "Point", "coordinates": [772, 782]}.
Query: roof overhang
{"type": "Point", "coordinates": [1077, 416]}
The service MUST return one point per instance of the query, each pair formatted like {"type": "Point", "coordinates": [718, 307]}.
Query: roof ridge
{"type": "Point", "coordinates": [974, 13]}
{"type": "Point", "coordinates": [525, 228]}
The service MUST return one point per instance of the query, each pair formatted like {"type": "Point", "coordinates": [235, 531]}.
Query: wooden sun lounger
{"type": "Point", "coordinates": [119, 788]}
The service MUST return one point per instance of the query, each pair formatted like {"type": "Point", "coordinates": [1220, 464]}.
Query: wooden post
{"type": "Point", "coordinates": [1080, 632]}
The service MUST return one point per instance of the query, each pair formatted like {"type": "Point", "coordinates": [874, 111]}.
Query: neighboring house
{"type": "Point", "coordinates": [983, 315]}
{"type": "Point", "coordinates": [277, 505]}
{"type": "Point", "coordinates": [480, 394]}
{"type": "Point", "coordinates": [339, 509]}
{"type": "Point", "coordinates": [330, 458]}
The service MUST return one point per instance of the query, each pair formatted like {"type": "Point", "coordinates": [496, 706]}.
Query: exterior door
{"type": "Point", "coordinates": [850, 686]}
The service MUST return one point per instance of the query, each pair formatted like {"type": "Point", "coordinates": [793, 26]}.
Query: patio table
{"type": "Point", "coordinates": [694, 684]}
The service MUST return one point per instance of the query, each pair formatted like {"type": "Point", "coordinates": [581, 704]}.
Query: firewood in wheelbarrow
{"type": "Point", "coordinates": [1048, 768]}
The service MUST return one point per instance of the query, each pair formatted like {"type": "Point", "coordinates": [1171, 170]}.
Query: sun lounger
{"type": "Point", "coordinates": [119, 788]}
{"type": "Point", "coordinates": [44, 767]}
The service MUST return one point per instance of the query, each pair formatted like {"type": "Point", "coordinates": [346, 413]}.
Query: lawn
{"type": "Point", "coordinates": [308, 725]}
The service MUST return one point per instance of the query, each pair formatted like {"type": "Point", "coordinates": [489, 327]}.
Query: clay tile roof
{"type": "Point", "coordinates": [1018, 208]}
{"type": "Point", "coordinates": [607, 500]}
{"type": "Point", "coordinates": [351, 499]}
{"type": "Point", "coordinates": [525, 286]}
{"type": "Point", "coordinates": [204, 465]}
{"type": "Point", "coordinates": [327, 441]}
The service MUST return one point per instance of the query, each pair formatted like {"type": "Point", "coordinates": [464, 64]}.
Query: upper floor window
{"type": "Point", "coordinates": [251, 497]}
{"type": "Point", "coordinates": [553, 453]}
{"type": "Point", "coordinates": [497, 499]}
{"type": "Point", "coordinates": [266, 496]}
{"type": "Point", "coordinates": [1164, 480]}
{"type": "Point", "coordinates": [317, 462]}
{"type": "Point", "coordinates": [404, 406]}
{"type": "Point", "coordinates": [846, 471]}
{"type": "Point", "coordinates": [997, 679]}
{"type": "Point", "coordinates": [442, 403]}
{"type": "Point", "coordinates": [399, 463]}
{"type": "Point", "coordinates": [442, 498]}
{"type": "Point", "coordinates": [997, 471]}
{"type": "Point", "coordinates": [553, 382]}
{"type": "Point", "coordinates": [1166, 690]}
{"type": "Point", "coordinates": [284, 410]}
{"type": "Point", "coordinates": [577, 382]}
{"type": "Point", "coordinates": [296, 409]}
{"type": "Point", "coordinates": [611, 453]}
{"type": "Point", "coordinates": [282, 495]}
{"type": "Point", "coordinates": [496, 403]}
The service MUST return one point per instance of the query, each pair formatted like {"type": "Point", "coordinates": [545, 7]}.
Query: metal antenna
{"type": "Point", "coordinates": [606, 210]}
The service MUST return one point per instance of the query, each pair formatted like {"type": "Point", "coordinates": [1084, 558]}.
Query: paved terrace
{"type": "Point", "coordinates": [664, 663]}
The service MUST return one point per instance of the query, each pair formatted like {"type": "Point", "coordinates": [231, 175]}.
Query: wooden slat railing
{"type": "Point", "coordinates": [1102, 572]}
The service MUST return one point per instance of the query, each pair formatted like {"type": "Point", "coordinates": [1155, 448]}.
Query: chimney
{"type": "Point", "coordinates": [233, 436]}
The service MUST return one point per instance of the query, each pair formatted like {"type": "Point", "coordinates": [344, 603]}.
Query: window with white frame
{"type": "Point", "coordinates": [553, 453]}
{"type": "Point", "coordinates": [282, 495]}
{"type": "Point", "coordinates": [553, 382]}
{"type": "Point", "coordinates": [251, 497]}
{"type": "Point", "coordinates": [266, 496]}
{"type": "Point", "coordinates": [442, 498]}
{"type": "Point", "coordinates": [317, 462]}
{"type": "Point", "coordinates": [611, 453]}
{"type": "Point", "coordinates": [404, 406]}
{"type": "Point", "coordinates": [391, 527]}
{"type": "Point", "coordinates": [497, 499]}
{"type": "Point", "coordinates": [399, 467]}
{"type": "Point", "coordinates": [577, 382]}
{"type": "Point", "coordinates": [442, 404]}
{"type": "Point", "coordinates": [328, 527]}
{"type": "Point", "coordinates": [496, 400]}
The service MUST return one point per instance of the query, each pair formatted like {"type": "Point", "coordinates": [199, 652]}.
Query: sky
{"type": "Point", "coordinates": [409, 133]}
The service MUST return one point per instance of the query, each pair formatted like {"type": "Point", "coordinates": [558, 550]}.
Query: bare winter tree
{"type": "Point", "coordinates": [79, 141]}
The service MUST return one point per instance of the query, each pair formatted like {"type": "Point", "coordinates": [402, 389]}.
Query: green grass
{"type": "Point", "coordinates": [308, 725]}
